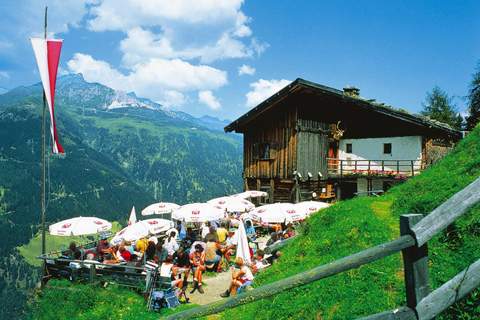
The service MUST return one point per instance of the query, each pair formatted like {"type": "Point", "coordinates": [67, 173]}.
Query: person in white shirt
{"type": "Point", "coordinates": [242, 277]}
{"type": "Point", "coordinates": [171, 244]}
{"type": "Point", "coordinates": [167, 270]}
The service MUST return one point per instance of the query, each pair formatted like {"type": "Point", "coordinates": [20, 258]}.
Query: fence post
{"type": "Point", "coordinates": [93, 273]}
{"type": "Point", "coordinates": [415, 263]}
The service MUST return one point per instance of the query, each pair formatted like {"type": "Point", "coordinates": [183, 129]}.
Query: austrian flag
{"type": "Point", "coordinates": [47, 54]}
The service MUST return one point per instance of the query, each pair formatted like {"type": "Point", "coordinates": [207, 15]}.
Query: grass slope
{"type": "Point", "coordinates": [357, 224]}
{"type": "Point", "coordinates": [343, 229]}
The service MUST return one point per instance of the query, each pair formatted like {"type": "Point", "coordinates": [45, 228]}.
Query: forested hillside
{"type": "Point", "coordinates": [117, 157]}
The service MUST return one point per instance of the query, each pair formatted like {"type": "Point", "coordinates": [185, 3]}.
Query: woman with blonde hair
{"type": "Point", "coordinates": [242, 277]}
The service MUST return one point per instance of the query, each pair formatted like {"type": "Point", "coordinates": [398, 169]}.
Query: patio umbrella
{"type": "Point", "coordinates": [79, 226]}
{"type": "Point", "coordinates": [309, 207]}
{"type": "Point", "coordinates": [277, 213]}
{"type": "Point", "coordinates": [160, 208]}
{"type": "Point", "coordinates": [133, 217]}
{"type": "Point", "coordinates": [142, 229]}
{"type": "Point", "coordinates": [251, 194]}
{"type": "Point", "coordinates": [243, 250]}
{"type": "Point", "coordinates": [198, 212]}
{"type": "Point", "coordinates": [233, 204]}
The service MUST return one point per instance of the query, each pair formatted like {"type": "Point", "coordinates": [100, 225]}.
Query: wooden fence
{"type": "Point", "coordinates": [349, 167]}
{"type": "Point", "coordinates": [415, 232]}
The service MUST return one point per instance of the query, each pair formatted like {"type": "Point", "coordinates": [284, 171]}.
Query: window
{"type": "Point", "coordinates": [387, 148]}
{"type": "Point", "coordinates": [349, 148]}
{"type": "Point", "coordinates": [262, 151]}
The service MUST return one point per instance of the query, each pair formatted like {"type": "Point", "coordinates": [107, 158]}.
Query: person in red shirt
{"type": "Point", "coordinates": [124, 253]}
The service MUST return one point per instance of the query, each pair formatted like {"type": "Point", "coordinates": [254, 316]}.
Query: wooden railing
{"type": "Point", "coordinates": [415, 233]}
{"type": "Point", "coordinates": [347, 167]}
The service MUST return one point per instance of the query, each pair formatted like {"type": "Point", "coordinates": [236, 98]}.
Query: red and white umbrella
{"type": "Point", "coordinates": [199, 212]}
{"type": "Point", "coordinates": [309, 207]}
{"type": "Point", "coordinates": [160, 208]}
{"type": "Point", "coordinates": [79, 226]}
{"type": "Point", "coordinates": [142, 229]}
{"type": "Point", "coordinates": [277, 213]}
{"type": "Point", "coordinates": [251, 194]}
{"type": "Point", "coordinates": [233, 204]}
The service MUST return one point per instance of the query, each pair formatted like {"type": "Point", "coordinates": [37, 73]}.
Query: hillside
{"type": "Point", "coordinates": [351, 226]}
{"type": "Point", "coordinates": [133, 154]}
{"type": "Point", "coordinates": [354, 225]}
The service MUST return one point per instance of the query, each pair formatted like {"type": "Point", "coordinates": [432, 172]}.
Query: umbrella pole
{"type": "Point", "coordinates": [43, 168]}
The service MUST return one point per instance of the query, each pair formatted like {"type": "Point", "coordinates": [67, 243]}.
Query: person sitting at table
{"type": "Point", "coordinates": [150, 251]}
{"type": "Point", "coordinates": [212, 234]}
{"type": "Point", "coordinates": [73, 251]}
{"type": "Point", "coordinates": [230, 245]}
{"type": "Point", "coordinates": [161, 253]}
{"type": "Point", "coordinates": [190, 237]}
{"type": "Point", "coordinates": [212, 259]}
{"type": "Point", "coordinates": [171, 243]}
{"type": "Point", "coordinates": [197, 261]}
{"type": "Point", "coordinates": [258, 262]}
{"type": "Point", "coordinates": [250, 230]}
{"type": "Point", "coordinates": [102, 248]}
{"type": "Point", "coordinates": [289, 232]}
{"type": "Point", "coordinates": [168, 270]}
{"type": "Point", "coordinates": [141, 245]}
{"type": "Point", "coordinates": [242, 277]}
{"type": "Point", "coordinates": [111, 256]}
{"type": "Point", "coordinates": [182, 262]}
{"type": "Point", "coordinates": [222, 233]}
{"type": "Point", "coordinates": [123, 254]}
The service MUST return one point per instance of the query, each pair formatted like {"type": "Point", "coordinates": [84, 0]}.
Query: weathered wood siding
{"type": "Point", "coordinates": [312, 148]}
{"type": "Point", "coordinates": [279, 131]}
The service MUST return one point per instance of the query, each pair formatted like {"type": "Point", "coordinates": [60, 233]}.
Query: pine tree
{"type": "Point", "coordinates": [474, 100]}
{"type": "Point", "coordinates": [439, 106]}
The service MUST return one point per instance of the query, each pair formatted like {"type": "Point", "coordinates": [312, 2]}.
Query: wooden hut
{"type": "Point", "coordinates": [309, 141]}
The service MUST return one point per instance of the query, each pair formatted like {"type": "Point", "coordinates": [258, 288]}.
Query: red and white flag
{"type": "Point", "coordinates": [47, 54]}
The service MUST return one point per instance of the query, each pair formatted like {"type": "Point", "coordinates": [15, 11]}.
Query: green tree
{"type": "Point", "coordinates": [439, 106]}
{"type": "Point", "coordinates": [474, 100]}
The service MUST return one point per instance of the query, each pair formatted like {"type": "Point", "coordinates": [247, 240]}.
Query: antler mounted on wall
{"type": "Point", "coordinates": [337, 133]}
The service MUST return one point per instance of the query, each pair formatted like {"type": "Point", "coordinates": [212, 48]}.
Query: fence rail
{"type": "Point", "coordinates": [416, 231]}
{"type": "Point", "coordinates": [348, 167]}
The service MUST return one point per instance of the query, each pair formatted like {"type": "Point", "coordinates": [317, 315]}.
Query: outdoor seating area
{"type": "Point", "coordinates": [166, 258]}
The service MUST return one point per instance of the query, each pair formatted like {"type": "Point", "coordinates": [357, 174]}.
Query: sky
{"type": "Point", "coordinates": [223, 57]}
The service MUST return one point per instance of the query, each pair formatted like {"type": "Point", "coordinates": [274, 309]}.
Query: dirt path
{"type": "Point", "coordinates": [213, 287]}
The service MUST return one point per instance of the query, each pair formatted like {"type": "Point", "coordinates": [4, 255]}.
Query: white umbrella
{"type": "Point", "coordinates": [79, 226]}
{"type": "Point", "coordinates": [277, 213]}
{"type": "Point", "coordinates": [251, 194]}
{"type": "Point", "coordinates": [160, 208]}
{"type": "Point", "coordinates": [198, 212]}
{"type": "Point", "coordinates": [309, 207]}
{"type": "Point", "coordinates": [233, 204]}
{"type": "Point", "coordinates": [243, 249]}
{"type": "Point", "coordinates": [142, 229]}
{"type": "Point", "coordinates": [133, 217]}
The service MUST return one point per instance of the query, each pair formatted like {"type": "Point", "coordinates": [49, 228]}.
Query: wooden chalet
{"type": "Point", "coordinates": [310, 141]}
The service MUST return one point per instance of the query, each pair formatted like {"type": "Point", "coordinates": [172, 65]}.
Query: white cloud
{"type": "Point", "coordinates": [4, 75]}
{"type": "Point", "coordinates": [263, 89]}
{"type": "Point", "coordinates": [246, 69]}
{"type": "Point", "coordinates": [162, 80]}
{"type": "Point", "coordinates": [109, 15]}
{"type": "Point", "coordinates": [206, 97]}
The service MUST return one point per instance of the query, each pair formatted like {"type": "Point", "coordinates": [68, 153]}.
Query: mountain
{"type": "Point", "coordinates": [121, 150]}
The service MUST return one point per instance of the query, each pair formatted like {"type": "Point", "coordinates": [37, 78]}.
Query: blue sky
{"type": "Point", "coordinates": [222, 57]}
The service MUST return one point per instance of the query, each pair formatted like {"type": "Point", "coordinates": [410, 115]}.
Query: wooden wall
{"type": "Point", "coordinates": [279, 131]}
{"type": "Point", "coordinates": [312, 148]}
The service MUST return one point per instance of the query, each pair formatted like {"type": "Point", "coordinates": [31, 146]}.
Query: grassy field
{"type": "Point", "coordinates": [53, 243]}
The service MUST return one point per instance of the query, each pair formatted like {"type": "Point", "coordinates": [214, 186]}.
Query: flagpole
{"type": "Point", "coordinates": [43, 161]}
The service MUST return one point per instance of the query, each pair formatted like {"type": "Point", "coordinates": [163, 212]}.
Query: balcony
{"type": "Point", "coordinates": [384, 168]}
